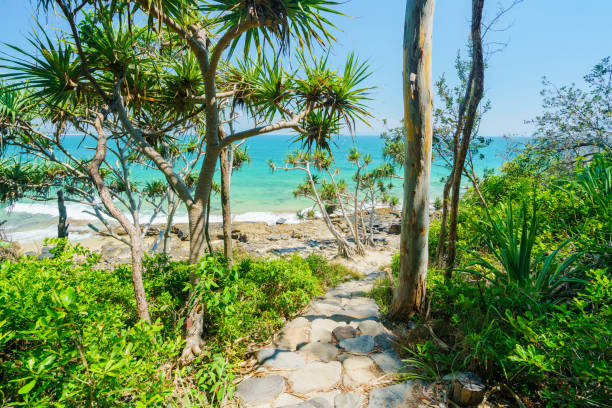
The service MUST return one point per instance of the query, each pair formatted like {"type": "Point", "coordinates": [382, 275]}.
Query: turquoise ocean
{"type": "Point", "coordinates": [258, 194]}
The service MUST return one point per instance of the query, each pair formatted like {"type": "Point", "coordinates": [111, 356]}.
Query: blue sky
{"type": "Point", "coordinates": [560, 39]}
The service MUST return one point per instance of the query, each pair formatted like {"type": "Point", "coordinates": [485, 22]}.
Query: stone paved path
{"type": "Point", "coordinates": [336, 355]}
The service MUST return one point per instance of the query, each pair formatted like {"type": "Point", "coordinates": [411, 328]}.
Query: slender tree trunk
{"type": "Point", "coordinates": [444, 221]}
{"type": "Point", "coordinates": [62, 227]}
{"type": "Point", "coordinates": [226, 210]}
{"type": "Point", "coordinates": [477, 81]}
{"type": "Point", "coordinates": [136, 240]}
{"type": "Point", "coordinates": [409, 297]}
{"type": "Point", "coordinates": [356, 203]}
{"type": "Point", "coordinates": [344, 248]}
{"type": "Point", "coordinates": [359, 250]}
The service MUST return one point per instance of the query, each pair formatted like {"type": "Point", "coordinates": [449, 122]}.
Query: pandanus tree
{"type": "Point", "coordinates": [81, 87]}
{"type": "Point", "coordinates": [208, 32]}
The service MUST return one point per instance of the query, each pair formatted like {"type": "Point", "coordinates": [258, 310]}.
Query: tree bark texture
{"type": "Point", "coordinates": [409, 296]}
{"type": "Point", "coordinates": [476, 86]}
{"type": "Point", "coordinates": [62, 226]}
{"type": "Point", "coordinates": [443, 221]}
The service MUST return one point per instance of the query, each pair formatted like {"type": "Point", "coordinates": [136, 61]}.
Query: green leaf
{"type": "Point", "coordinates": [27, 388]}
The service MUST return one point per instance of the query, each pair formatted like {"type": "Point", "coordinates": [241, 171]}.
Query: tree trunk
{"type": "Point", "coordinates": [359, 250]}
{"type": "Point", "coordinates": [62, 227]}
{"type": "Point", "coordinates": [443, 222]}
{"type": "Point", "coordinates": [226, 210]}
{"type": "Point", "coordinates": [136, 240]}
{"type": "Point", "coordinates": [344, 248]}
{"type": "Point", "coordinates": [409, 296]}
{"type": "Point", "coordinates": [477, 84]}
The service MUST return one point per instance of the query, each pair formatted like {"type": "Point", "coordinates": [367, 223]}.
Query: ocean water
{"type": "Point", "coordinates": [258, 193]}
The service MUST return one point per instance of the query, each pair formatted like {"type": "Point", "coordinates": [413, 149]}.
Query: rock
{"type": "Point", "coordinates": [278, 237]}
{"type": "Point", "coordinates": [321, 335]}
{"type": "Point", "coordinates": [181, 232]}
{"type": "Point", "coordinates": [260, 390]}
{"type": "Point", "coordinates": [316, 376]}
{"type": "Point", "coordinates": [311, 403]}
{"type": "Point", "coordinates": [348, 400]}
{"type": "Point", "coordinates": [323, 309]}
{"type": "Point", "coordinates": [395, 396]}
{"type": "Point", "coordinates": [319, 351]}
{"type": "Point", "coordinates": [291, 337]}
{"type": "Point", "coordinates": [344, 332]}
{"type": "Point", "coordinates": [384, 341]}
{"type": "Point", "coordinates": [358, 371]}
{"type": "Point", "coordinates": [45, 253]}
{"type": "Point", "coordinates": [281, 359]}
{"type": "Point", "coordinates": [327, 324]}
{"type": "Point", "coordinates": [363, 312]}
{"type": "Point", "coordinates": [468, 389]}
{"type": "Point", "coordinates": [281, 221]}
{"type": "Point", "coordinates": [395, 229]}
{"type": "Point", "coordinates": [361, 344]}
{"type": "Point", "coordinates": [29, 253]}
{"type": "Point", "coordinates": [388, 361]}
{"type": "Point", "coordinates": [370, 328]}
{"type": "Point", "coordinates": [298, 322]}
{"type": "Point", "coordinates": [285, 399]}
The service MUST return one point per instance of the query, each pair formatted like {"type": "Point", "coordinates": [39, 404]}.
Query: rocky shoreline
{"type": "Point", "coordinates": [255, 239]}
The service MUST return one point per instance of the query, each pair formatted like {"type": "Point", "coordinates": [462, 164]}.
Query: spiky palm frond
{"type": "Point", "coordinates": [51, 73]}
{"type": "Point", "coordinates": [282, 20]}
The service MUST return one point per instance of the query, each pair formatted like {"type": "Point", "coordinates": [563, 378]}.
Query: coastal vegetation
{"type": "Point", "coordinates": [505, 281]}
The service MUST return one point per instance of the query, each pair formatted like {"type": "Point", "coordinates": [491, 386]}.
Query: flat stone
{"type": "Point", "coordinates": [344, 332]}
{"type": "Point", "coordinates": [316, 376]}
{"type": "Point", "coordinates": [320, 334]}
{"type": "Point", "coordinates": [358, 371]}
{"type": "Point", "coordinates": [319, 351]}
{"type": "Point", "coordinates": [286, 399]}
{"type": "Point", "coordinates": [327, 396]}
{"type": "Point", "coordinates": [282, 359]}
{"type": "Point", "coordinates": [260, 390]}
{"type": "Point", "coordinates": [324, 309]}
{"type": "Point", "coordinates": [361, 344]}
{"type": "Point", "coordinates": [311, 403]}
{"type": "Point", "coordinates": [348, 400]}
{"type": "Point", "coordinates": [290, 338]}
{"type": "Point", "coordinates": [326, 324]}
{"type": "Point", "coordinates": [395, 396]}
{"type": "Point", "coordinates": [388, 361]}
{"type": "Point", "coordinates": [384, 341]}
{"type": "Point", "coordinates": [363, 312]}
{"type": "Point", "coordinates": [370, 328]}
{"type": "Point", "coordinates": [298, 322]}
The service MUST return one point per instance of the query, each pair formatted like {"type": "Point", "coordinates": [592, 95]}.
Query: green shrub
{"type": "Point", "coordinates": [69, 337]}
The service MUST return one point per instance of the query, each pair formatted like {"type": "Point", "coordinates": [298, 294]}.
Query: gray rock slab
{"type": "Point", "coordinates": [298, 322]}
{"type": "Point", "coordinates": [319, 351]}
{"type": "Point", "coordinates": [388, 361]}
{"type": "Point", "coordinates": [324, 309]}
{"type": "Point", "coordinates": [361, 344]}
{"type": "Point", "coordinates": [327, 324]}
{"type": "Point", "coordinates": [384, 341]}
{"type": "Point", "coordinates": [348, 400]}
{"type": "Point", "coordinates": [282, 359]}
{"type": "Point", "coordinates": [285, 399]}
{"type": "Point", "coordinates": [363, 312]}
{"type": "Point", "coordinates": [395, 396]}
{"type": "Point", "coordinates": [260, 390]}
{"type": "Point", "coordinates": [291, 337]}
{"type": "Point", "coordinates": [344, 332]}
{"type": "Point", "coordinates": [358, 370]}
{"type": "Point", "coordinates": [320, 334]}
{"type": "Point", "coordinates": [315, 376]}
{"type": "Point", "coordinates": [370, 328]}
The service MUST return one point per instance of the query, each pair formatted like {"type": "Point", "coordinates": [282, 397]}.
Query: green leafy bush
{"type": "Point", "coordinates": [69, 335]}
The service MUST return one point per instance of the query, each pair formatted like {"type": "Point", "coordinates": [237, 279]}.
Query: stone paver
{"type": "Point", "coordinates": [318, 351]}
{"type": "Point", "coordinates": [315, 376]}
{"type": "Point", "coordinates": [361, 344]}
{"type": "Point", "coordinates": [309, 367]}
{"type": "Point", "coordinates": [260, 390]}
{"type": "Point", "coordinates": [281, 359]}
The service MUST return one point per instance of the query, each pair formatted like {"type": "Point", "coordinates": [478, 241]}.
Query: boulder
{"type": "Point", "coordinates": [260, 390]}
